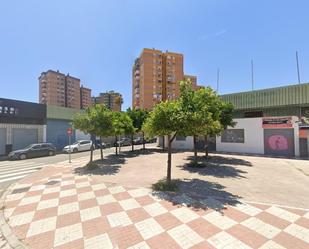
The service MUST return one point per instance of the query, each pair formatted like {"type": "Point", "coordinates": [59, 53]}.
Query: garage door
{"type": "Point", "coordinates": [2, 140]}
{"type": "Point", "coordinates": [24, 137]}
{"type": "Point", "coordinates": [279, 142]}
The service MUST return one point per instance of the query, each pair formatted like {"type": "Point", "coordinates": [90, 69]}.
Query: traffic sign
{"type": "Point", "coordinates": [69, 131]}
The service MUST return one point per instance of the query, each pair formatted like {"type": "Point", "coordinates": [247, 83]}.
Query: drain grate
{"type": "Point", "coordinates": [20, 190]}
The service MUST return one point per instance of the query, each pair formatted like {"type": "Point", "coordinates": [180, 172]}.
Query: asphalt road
{"type": "Point", "coordinates": [12, 171]}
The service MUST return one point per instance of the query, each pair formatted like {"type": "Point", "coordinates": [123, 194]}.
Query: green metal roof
{"type": "Point", "coordinates": [56, 112]}
{"type": "Point", "coordinates": [272, 97]}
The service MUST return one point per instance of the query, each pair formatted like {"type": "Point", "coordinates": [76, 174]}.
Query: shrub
{"type": "Point", "coordinates": [164, 185]}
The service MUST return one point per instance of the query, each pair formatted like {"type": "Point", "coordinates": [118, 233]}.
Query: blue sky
{"type": "Point", "coordinates": [98, 40]}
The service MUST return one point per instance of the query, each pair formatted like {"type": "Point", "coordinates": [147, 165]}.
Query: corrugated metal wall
{"type": "Point", "coordinates": [2, 140]}
{"type": "Point", "coordinates": [56, 133]}
{"type": "Point", "coordinates": [281, 96]}
{"type": "Point", "coordinates": [22, 137]}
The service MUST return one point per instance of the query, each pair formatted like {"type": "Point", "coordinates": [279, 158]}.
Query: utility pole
{"type": "Point", "coordinates": [218, 76]}
{"type": "Point", "coordinates": [252, 76]}
{"type": "Point", "coordinates": [297, 64]}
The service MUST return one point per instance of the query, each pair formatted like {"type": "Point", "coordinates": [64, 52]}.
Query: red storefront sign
{"type": "Point", "coordinates": [277, 122]}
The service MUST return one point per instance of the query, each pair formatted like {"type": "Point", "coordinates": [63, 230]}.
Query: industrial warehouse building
{"type": "Point", "coordinates": [272, 121]}
{"type": "Point", "coordinates": [23, 123]}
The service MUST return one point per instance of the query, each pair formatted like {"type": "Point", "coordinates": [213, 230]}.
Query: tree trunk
{"type": "Point", "coordinates": [163, 143]}
{"type": "Point", "coordinates": [195, 149]}
{"type": "Point", "coordinates": [206, 146]}
{"type": "Point", "coordinates": [169, 159]}
{"type": "Point", "coordinates": [91, 154]}
{"type": "Point", "coordinates": [143, 140]}
{"type": "Point", "coordinates": [101, 149]}
{"type": "Point", "coordinates": [132, 144]}
{"type": "Point", "coordinates": [116, 144]}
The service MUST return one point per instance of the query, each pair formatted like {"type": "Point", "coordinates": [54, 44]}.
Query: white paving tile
{"type": "Point", "coordinates": [271, 245]}
{"type": "Point", "coordinates": [141, 245]}
{"type": "Point", "coordinates": [82, 184]}
{"type": "Point", "coordinates": [15, 197]}
{"type": "Point", "coordinates": [21, 219]}
{"type": "Point", "coordinates": [219, 220]}
{"type": "Point", "coordinates": [298, 232]}
{"type": "Point", "coordinates": [48, 204]}
{"type": "Point", "coordinates": [116, 189]}
{"type": "Point", "coordinates": [222, 240]}
{"type": "Point", "coordinates": [139, 192]}
{"type": "Point", "coordinates": [248, 209]}
{"type": "Point", "coordinates": [51, 190]}
{"type": "Point", "coordinates": [90, 213]}
{"type": "Point", "coordinates": [29, 200]}
{"type": "Point", "coordinates": [98, 186]}
{"type": "Point", "coordinates": [307, 215]}
{"type": "Point", "coordinates": [67, 234]}
{"type": "Point", "coordinates": [261, 227]}
{"type": "Point", "coordinates": [155, 209]}
{"type": "Point", "coordinates": [184, 214]}
{"type": "Point", "coordinates": [99, 242]}
{"type": "Point", "coordinates": [185, 236]}
{"type": "Point", "coordinates": [37, 187]}
{"type": "Point", "coordinates": [68, 208]}
{"type": "Point", "coordinates": [119, 219]}
{"type": "Point", "coordinates": [129, 204]}
{"type": "Point", "coordinates": [102, 200]}
{"type": "Point", "coordinates": [8, 212]}
{"type": "Point", "coordinates": [68, 192]}
{"type": "Point", "coordinates": [149, 228]}
{"type": "Point", "coordinates": [42, 226]}
{"type": "Point", "coordinates": [86, 196]}
{"type": "Point", "coordinates": [283, 214]}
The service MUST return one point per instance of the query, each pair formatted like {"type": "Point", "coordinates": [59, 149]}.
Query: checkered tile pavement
{"type": "Point", "coordinates": [56, 208]}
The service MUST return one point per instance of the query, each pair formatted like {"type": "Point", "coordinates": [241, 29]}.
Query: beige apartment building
{"type": "Point", "coordinates": [85, 97]}
{"type": "Point", "coordinates": [58, 89]}
{"type": "Point", "coordinates": [155, 77]}
{"type": "Point", "coordinates": [112, 100]}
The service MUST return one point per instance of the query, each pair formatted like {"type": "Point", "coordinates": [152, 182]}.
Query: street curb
{"type": "Point", "coordinates": [5, 229]}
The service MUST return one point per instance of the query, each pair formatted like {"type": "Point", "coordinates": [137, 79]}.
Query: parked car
{"type": "Point", "coordinates": [33, 150]}
{"type": "Point", "coordinates": [81, 145]}
{"type": "Point", "coordinates": [99, 144]}
{"type": "Point", "coordinates": [123, 142]}
{"type": "Point", "coordinates": [138, 140]}
{"type": "Point", "coordinates": [151, 140]}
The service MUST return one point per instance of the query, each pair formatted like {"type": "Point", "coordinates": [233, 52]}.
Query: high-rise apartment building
{"type": "Point", "coordinates": [85, 97]}
{"type": "Point", "coordinates": [156, 76]}
{"type": "Point", "coordinates": [193, 80]}
{"type": "Point", "coordinates": [58, 89]}
{"type": "Point", "coordinates": [112, 100]}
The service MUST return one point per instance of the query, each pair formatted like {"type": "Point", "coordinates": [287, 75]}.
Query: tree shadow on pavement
{"type": "Point", "coordinates": [199, 194]}
{"type": "Point", "coordinates": [217, 166]}
{"type": "Point", "coordinates": [147, 151]}
{"type": "Point", "coordinates": [110, 165]}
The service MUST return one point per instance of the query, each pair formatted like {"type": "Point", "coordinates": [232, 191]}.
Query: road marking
{"type": "Point", "coordinates": [13, 178]}
{"type": "Point", "coordinates": [3, 173]}
{"type": "Point", "coordinates": [20, 167]}
{"type": "Point", "coordinates": [18, 173]}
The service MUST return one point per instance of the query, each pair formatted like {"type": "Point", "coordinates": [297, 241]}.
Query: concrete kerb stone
{"type": "Point", "coordinates": [5, 229]}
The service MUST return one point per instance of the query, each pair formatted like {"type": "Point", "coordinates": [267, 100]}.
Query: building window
{"type": "Point", "coordinates": [233, 136]}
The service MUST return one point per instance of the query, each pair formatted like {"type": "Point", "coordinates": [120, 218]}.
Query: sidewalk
{"type": "Point", "coordinates": [58, 208]}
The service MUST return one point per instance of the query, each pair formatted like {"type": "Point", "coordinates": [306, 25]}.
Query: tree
{"type": "Point", "coordinates": [166, 119]}
{"type": "Point", "coordinates": [97, 121]}
{"type": "Point", "coordinates": [121, 124]}
{"type": "Point", "coordinates": [138, 118]}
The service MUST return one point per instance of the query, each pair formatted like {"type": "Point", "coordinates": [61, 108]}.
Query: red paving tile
{"type": "Point", "coordinates": [95, 227]}
{"type": "Point", "coordinates": [204, 228]}
{"type": "Point", "coordinates": [235, 214]}
{"type": "Point", "coordinates": [162, 241]}
{"type": "Point", "coordinates": [50, 196]}
{"type": "Point", "coordinates": [33, 193]}
{"type": "Point", "coordinates": [289, 241]}
{"type": "Point", "coordinates": [122, 196]}
{"type": "Point", "coordinates": [24, 209]}
{"type": "Point", "coordinates": [247, 236]}
{"type": "Point", "coordinates": [101, 192]}
{"type": "Point", "coordinates": [21, 231]}
{"type": "Point", "coordinates": [75, 244]}
{"type": "Point", "coordinates": [68, 219]}
{"type": "Point", "coordinates": [110, 208]}
{"type": "Point", "coordinates": [67, 187]}
{"type": "Point", "coordinates": [304, 222]}
{"type": "Point", "coordinates": [68, 199]}
{"type": "Point", "coordinates": [125, 237]}
{"type": "Point", "coordinates": [273, 220]}
{"type": "Point", "coordinates": [88, 203]}
{"type": "Point", "coordinates": [296, 211]}
{"type": "Point", "coordinates": [203, 245]}
{"type": "Point", "coordinates": [45, 213]}
{"type": "Point", "coordinates": [144, 200]}
{"type": "Point", "coordinates": [84, 190]}
{"type": "Point", "coordinates": [167, 221]}
{"type": "Point", "coordinates": [41, 241]}
{"type": "Point", "coordinates": [138, 214]}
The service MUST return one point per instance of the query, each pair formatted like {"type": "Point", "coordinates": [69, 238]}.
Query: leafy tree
{"type": "Point", "coordinates": [138, 118]}
{"type": "Point", "coordinates": [122, 124]}
{"type": "Point", "coordinates": [166, 119]}
{"type": "Point", "coordinates": [97, 121]}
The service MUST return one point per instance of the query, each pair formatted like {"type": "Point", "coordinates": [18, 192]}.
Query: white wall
{"type": "Point", "coordinates": [181, 144]}
{"type": "Point", "coordinates": [295, 121]}
{"type": "Point", "coordinates": [254, 137]}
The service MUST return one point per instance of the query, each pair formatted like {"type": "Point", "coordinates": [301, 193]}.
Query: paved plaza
{"type": "Point", "coordinates": [65, 206]}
